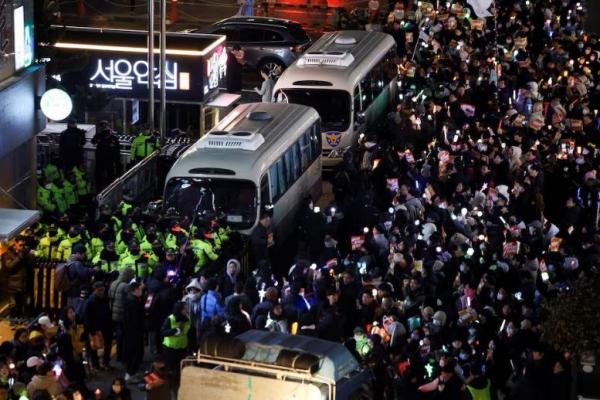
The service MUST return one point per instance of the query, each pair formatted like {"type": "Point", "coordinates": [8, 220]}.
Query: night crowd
{"type": "Point", "coordinates": [475, 200]}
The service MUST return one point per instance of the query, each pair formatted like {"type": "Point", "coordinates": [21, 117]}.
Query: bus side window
{"type": "Point", "coordinates": [278, 183]}
{"type": "Point", "coordinates": [289, 166]}
{"type": "Point", "coordinates": [376, 80]}
{"type": "Point", "coordinates": [315, 141]}
{"type": "Point", "coordinates": [304, 143]}
{"type": "Point", "coordinates": [366, 93]}
{"type": "Point", "coordinates": [265, 197]}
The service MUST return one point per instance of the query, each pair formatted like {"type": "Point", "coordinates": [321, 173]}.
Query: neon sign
{"type": "Point", "coordinates": [216, 67]}
{"type": "Point", "coordinates": [123, 74]}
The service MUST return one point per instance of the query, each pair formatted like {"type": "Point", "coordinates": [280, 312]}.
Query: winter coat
{"type": "Point", "coordinates": [97, 315]}
{"type": "Point", "coordinates": [14, 270]}
{"type": "Point", "coordinates": [43, 382]}
{"type": "Point", "coordinates": [133, 327]}
{"type": "Point", "coordinates": [117, 293]}
{"type": "Point", "coordinates": [210, 305]}
{"type": "Point", "coordinates": [80, 274]}
{"type": "Point", "coordinates": [162, 303]}
{"type": "Point", "coordinates": [71, 147]}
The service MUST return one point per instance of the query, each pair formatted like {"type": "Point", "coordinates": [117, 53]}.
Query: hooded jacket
{"type": "Point", "coordinates": [117, 293]}
{"type": "Point", "coordinates": [43, 382]}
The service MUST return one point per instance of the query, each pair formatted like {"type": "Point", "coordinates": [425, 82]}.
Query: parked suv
{"type": "Point", "coordinates": [270, 44]}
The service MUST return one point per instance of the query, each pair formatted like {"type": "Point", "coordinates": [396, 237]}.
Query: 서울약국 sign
{"type": "Point", "coordinates": [189, 79]}
{"type": "Point", "coordinates": [124, 74]}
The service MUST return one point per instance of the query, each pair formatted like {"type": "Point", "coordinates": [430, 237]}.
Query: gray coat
{"type": "Point", "coordinates": [117, 293]}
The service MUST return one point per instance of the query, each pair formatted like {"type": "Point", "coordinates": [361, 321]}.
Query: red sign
{"type": "Point", "coordinates": [357, 241]}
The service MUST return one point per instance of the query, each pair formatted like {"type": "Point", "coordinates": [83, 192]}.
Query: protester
{"type": "Point", "coordinates": [445, 235]}
{"type": "Point", "coordinates": [133, 331]}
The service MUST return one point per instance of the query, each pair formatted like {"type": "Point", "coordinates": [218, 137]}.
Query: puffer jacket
{"type": "Point", "coordinates": [118, 292]}
{"type": "Point", "coordinates": [44, 382]}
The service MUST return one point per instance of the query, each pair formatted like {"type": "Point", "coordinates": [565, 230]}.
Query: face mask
{"type": "Point", "coordinates": [387, 225]}
{"type": "Point", "coordinates": [463, 356]}
{"type": "Point", "coordinates": [500, 296]}
{"type": "Point", "coordinates": [482, 147]}
{"type": "Point", "coordinates": [437, 322]}
{"type": "Point", "coordinates": [462, 267]}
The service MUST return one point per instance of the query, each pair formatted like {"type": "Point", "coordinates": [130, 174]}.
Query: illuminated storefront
{"type": "Point", "coordinates": [117, 63]}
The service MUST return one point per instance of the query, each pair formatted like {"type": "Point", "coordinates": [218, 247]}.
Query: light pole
{"type": "Point", "coordinates": [163, 67]}
{"type": "Point", "coordinates": [150, 64]}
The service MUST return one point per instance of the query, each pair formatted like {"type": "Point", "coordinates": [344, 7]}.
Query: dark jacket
{"type": "Point", "coordinates": [71, 147]}
{"type": "Point", "coordinates": [161, 305]}
{"type": "Point", "coordinates": [258, 242]}
{"type": "Point", "coordinates": [14, 270]}
{"type": "Point", "coordinates": [80, 274]}
{"type": "Point", "coordinates": [133, 327]}
{"type": "Point", "coordinates": [97, 314]}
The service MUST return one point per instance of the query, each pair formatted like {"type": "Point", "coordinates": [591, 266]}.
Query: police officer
{"type": "Point", "coordinates": [124, 237]}
{"type": "Point", "coordinates": [175, 333]}
{"type": "Point", "coordinates": [84, 188]}
{"type": "Point", "coordinates": [107, 259]}
{"type": "Point", "coordinates": [137, 260]}
{"type": "Point", "coordinates": [57, 197]}
{"type": "Point", "coordinates": [176, 236]}
{"type": "Point", "coordinates": [51, 171]}
{"type": "Point", "coordinates": [202, 249]}
{"type": "Point", "coordinates": [47, 248]}
{"type": "Point", "coordinates": [107, 217]}
{"type": "Point", "coordinates": [44, 197]}
{"type": "Point", "coordinates": [143, 145]}
{"type": "Point", "coordinates": [96, 243]}
{"type": "Point", "coordinates": [70, 191]}
{"type": "Point", "coordinates": [66, 245]}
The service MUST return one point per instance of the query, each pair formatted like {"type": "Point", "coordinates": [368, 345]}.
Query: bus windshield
{"type": "Point", "coordinates": [333, 106]}
{"type": "Point", "coordinates": [236, 198]}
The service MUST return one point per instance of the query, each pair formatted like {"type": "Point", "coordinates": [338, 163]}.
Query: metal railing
{"type": "Point", "coordinates": [137, 185]}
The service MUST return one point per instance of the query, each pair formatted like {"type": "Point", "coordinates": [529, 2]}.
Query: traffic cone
{"type": "Point", "coordinates": [173, 14]}
{"type": "Point", "coordinates": [81, 8]}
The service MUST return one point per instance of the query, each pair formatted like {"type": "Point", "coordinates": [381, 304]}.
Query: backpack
{"type": "Point", "coordinates": [63, 282]}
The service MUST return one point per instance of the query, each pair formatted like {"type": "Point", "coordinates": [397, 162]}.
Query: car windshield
{"type": "Point", "coordinates": [236, 198]}
{"type": "Point", "coordinates": [333, 106]}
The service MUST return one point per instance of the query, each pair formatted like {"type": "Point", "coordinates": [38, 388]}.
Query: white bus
{"type": "Point", "coordinates": [349, 77]}
{"type": "Point", "coordinates": [260, 156]}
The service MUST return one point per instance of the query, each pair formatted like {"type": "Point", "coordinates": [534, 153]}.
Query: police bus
{"type": "Point", "coordinates": [349, 77]}
{"type": "Point", "coordinates": [260, 156]}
